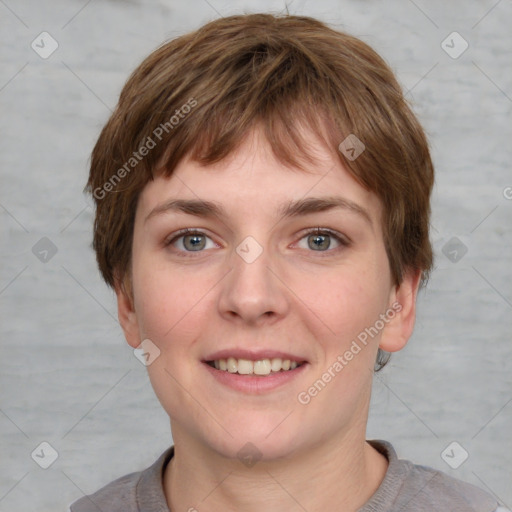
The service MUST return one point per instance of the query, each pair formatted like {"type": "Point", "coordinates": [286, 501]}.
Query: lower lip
{"type": "Point", "coordinates": [254, 384]}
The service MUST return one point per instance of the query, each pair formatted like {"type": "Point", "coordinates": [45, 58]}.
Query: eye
{"type": "Point", "coordinates": [188, 240]}
{"type": "Point", "coordinates": [322, 240]}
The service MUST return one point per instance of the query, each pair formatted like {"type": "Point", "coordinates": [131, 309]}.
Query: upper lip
{"type": "Point", "coordinates": [253, 355]}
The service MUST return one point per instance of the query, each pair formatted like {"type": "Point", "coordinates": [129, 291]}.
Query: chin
{"type": "Point", "coordinates": [250, 451]}
{"type": "Point", "coordinates": [254, 437]}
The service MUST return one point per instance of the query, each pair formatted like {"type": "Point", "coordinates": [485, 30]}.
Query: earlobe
{"type": "Point", "coordinates": [126, 314]}
{"type": "Point", "coordinates": [403, 301]}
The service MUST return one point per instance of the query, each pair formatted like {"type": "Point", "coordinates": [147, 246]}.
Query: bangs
{"type": "Point", "coordinates": [286, 130]}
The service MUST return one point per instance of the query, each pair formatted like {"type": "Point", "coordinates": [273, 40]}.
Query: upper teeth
{"type": "Point", "coordinates": [260, 367]}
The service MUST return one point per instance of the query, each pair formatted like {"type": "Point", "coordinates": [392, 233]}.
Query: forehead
{"type": "Point", "coordinates": [252, 180]}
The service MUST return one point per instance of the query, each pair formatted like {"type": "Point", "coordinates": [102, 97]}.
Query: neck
{"type": "Point", "coordinates": [341, 474]}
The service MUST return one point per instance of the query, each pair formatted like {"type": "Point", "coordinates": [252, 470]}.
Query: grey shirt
{"type": "Point", "coordinates": [406, 487]}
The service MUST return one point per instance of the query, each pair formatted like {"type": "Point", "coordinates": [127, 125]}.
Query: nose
{"type": "Point", "coordinates": [253, 292]}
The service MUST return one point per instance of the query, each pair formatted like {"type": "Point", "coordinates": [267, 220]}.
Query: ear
{"type": "Point", "coordinates": [126, 312]}
{"type": "Point", "coordinates": [403, 302]}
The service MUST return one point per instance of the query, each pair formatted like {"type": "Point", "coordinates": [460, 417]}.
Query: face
{"type": "Point", "coordinates": [256, 283]}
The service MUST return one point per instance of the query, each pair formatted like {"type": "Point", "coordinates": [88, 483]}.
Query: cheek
{"type": "Point", "coordinates": [172, 306]}
{"type": "Point", "coordinates": [343, 301]}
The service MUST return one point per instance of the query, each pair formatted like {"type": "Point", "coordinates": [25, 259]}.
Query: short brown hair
{"type": "Point", "coordinates": [200, 94]}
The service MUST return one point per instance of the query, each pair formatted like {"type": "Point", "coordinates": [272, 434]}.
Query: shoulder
{"type": "Point", "coordinates": [124, 494]}
{"type": "Point", "coordinates": [113, 497]}
{"type": "Point", "coordinates": [409, 486]}
{"type": "Point", "coordinates": [434, 488]}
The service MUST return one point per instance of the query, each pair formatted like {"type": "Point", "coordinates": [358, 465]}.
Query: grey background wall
{"type": "Point", "coordinates": [67, 376]}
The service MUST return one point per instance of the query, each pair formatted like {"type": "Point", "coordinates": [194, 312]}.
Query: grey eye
{"type": "Point", "coordinates": [194, 242]}
{"type": "Point", "coordinates": [322, 240]}
{"type": "Point", "coordinates": [319, 242]}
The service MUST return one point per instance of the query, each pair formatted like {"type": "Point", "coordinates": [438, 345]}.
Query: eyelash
{"type": "Point", "coordinates": [341, 239]}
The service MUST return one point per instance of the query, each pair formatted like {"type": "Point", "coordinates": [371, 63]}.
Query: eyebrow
{"type": "Point", "coordinates": [209, 209]}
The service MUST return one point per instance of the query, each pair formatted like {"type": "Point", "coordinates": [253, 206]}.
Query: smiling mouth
{"type": "Point", "coordinates": [261, 367]}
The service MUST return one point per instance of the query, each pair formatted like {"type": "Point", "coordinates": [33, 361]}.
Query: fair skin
{"type": "Point", "coordinates": [305, 297]}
